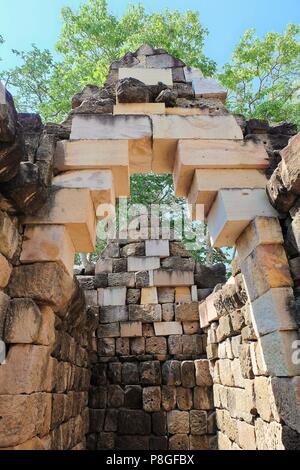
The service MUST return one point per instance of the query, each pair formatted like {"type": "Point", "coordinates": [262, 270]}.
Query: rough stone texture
{"type": "Point", "coordinates": [32, 281]}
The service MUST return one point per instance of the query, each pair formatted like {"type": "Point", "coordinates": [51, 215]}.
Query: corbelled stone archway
{"type": "Point", "coordinates": [210, 364]}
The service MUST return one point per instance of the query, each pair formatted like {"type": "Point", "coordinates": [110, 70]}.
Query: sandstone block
{"type": "Point", "coordinates": [168, 312]}
{"type": "Point", "coordinates": [114, 296]}
{"type": "Point", "coordinates": [131, 329]}
{"type": "Point", "coordinates": [44, 243]}
{"type": "Point", "coordinates": [198, 422]}
{"type": "Point", "coordinates": [202, 373]}
{"type": "Point", "coordinates": [203, 398]}
{"type": "Point", "coordinates": [184, 398]}
{"type": "Point", "coordinates": [148, 76]}
{"type": "Point", "coordinates": [156, 345]}
{"type": "Point", "coordinates": [179, 442]}
{"type": "Point", "coordinates": [191, 327]}
{"type": "Point", "coordinates": [32, 281]}
{"type": "Point", "coordinates": [23, 322]}
{"type": "Point", "coordinates": [168, 397]}
{"type": "Point", "coordinates": [109, 330]}
{"type": "Point", "coordinates": [156, 248]}
{"type": "Point", "coordinates": [9, 238]}
{"type": "Point", "coordinates": [133, 296]}
{"type": "Point", "coordinates": [227, 220]}
{"type": "Point", "coordinates": [115, 397]}
{"type": "Point", "coordinates": [211, 156]}
{"type": "Point", "coordinates": [187, 312]}
{"type": "Point", "coordinates": [203, 317]}
{"type": "Point", "coordinates": [149, 295]}
{"type": "Point", "coordinates": [269, 262]}
{"type": "Point", "coordinates": [278, 350]}
{"type": "Point", "coordinates": [270, 312]}
{"type": "Point", "coordinates": [136, 264]}
{"type": "Point", "coordinates": [121, 279]}
{"type": "Point", "coordinates": [47, 332]}
{"type": "Point", "coordinates": [171, 373]}
{"type": "Point", "coordinates": [268, 435]}
{"type": "Point", "coordinates": [175, 345]}
{"type": "Point", "coordinates": [116, 313]}
{"type": "Point", "coordinates": [27, 369]}
{"type": "Point", "coordinates": [91, 298]}
{"type": "Point", "coordinates": [106, 347]}
{"type": "Point", "coordinates": [145, 313]}
{"type": "Point", "coordinates": [139, 108]}
{"type": "Point", "coordinates": [246, 436]}
{"type": "Point", "coordinates": [17, 426]}
{"type": "Point", "coordinates": [188, 374]}
{"type": "Point", "coordinates": [104, 265]}
{"type": "Point", "coordinates": [183, 295]}
{"type": "Point", "coordinates": [74, 209]}
{"type": "Point", "coordinates": [287, 400]}
{"type": "Point", "coordinates": [122, 346]}
{"type": "Point", "coordinates": [261, 231]}
{"type": "Point", "coordinates": [144, 279]}
{"type": "Point", "coordinates": [151, 399]}
{"type": "Point", "coordinates": [5, 271]}
{"type": "Point", "coordinates": [100, 184]}
{"type": "Point", "coordinates": [167, 328]}
{"type": "Point", "coordinates": [130, 373]}
{"type": "Point", "coordinates": [178, 263]}
{"type": "Point", "coordinates": [178, 422]}
{"type": "Point", "coordinates": [166, 295]}
{"type": "Point", "coordinates": [208, 88]}
{"type": "Point", "coordinates": [137, 346]}
{"type": "Point", "coordinates": [163, 278]}
{"type": "Point", "coordinates": [150, 373]}
{"type": "Point", "coordinates": [168, 128]}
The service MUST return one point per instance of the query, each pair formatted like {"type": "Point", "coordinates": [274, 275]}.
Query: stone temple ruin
{"type": "Point", "coordinates": [152, 350]}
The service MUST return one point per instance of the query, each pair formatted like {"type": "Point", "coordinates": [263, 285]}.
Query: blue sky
{"type": "Point", "coordinates": [23, 22]}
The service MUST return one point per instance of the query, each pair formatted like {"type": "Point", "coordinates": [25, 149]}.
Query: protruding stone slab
{"type": "Point", "coordinates": [233, 210]}
{"type": "Point", "coordinates": [74, 209]}
{"type": "Point", "coordinates": [207, 183]}
{"type": "Point", "coordinates": [208, 88]}
{"type": "Point", "coordinates": [270, 312]}
{"type": "Point", "coordinates": [100, 183]}
{"type": "Point", "coordinates": [97, 155]}
{"type": "Point", "coordinates": [98, 127]}
{"type": "Point", "coordinates": [48, 243]}
{"type": "Point", "coordinates": [167, 130]}
{"type": "Point", "coordinates": [139, 108]}
{"type": "Point", "coordinates": [148, 76]}
{"type": "Point", "coordinates": [215, 155]}
{"type": "Point", "coordinates": [33, 281]}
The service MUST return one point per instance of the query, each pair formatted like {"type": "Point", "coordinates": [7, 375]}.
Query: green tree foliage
{"type": "Point", "coordinates": [263, 77]}
{"type": "Point", "coordinates": [90, 40]}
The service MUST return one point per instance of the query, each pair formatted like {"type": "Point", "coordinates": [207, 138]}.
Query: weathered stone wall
{"type": "Point", "coordinates": [253, 406]}
{"type": "Point", "coordinates": [151, 386]}
{"type": "Point", "coordinates": [45, 379]}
